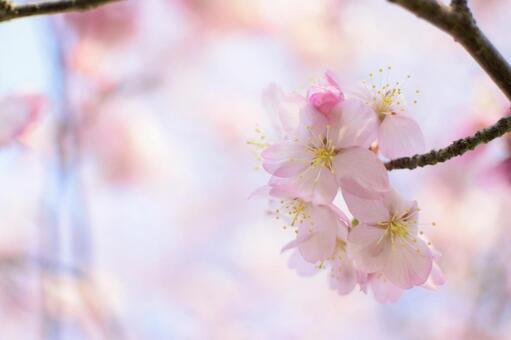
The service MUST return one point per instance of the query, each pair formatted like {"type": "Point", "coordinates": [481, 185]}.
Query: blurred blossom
{"type": "Point", "coordinates": [18, 113]}
{"type": "Point", "coordinates": [107, 24]}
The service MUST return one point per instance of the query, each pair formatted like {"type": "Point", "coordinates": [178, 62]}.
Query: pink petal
{"type": "Point", "coordinates": [285, 159]}
{"type": "Point", "coordinates": [302, 267]}
{"type": "Point", "coordinates": [409, 264]}
{"type": "Point", "coordinates": [400, 136]}
{"type": "Point", "coordinates": [304, 237]}
{"type": "Point", "coordinates": [317, 241]}
{"type": "Point", "coordinates": [16, 114]}
{"type": "Point", "coordinates": [363, 280]}
{"type": "Point", "coordinates": [261, 191]}
{"type": "Point", "coordinates": [286, 107]}
{"type": "Point", "coordinates": [435, 279]}
{"type": "Point", "coordinates": [343, 275]}
{"type": "Point", "coordinates": [312, 126]}
{"type": "Point", "coordinates": [339, 213]}
{"type": "Point", "coordinates": [290, 168]}
{"type": "Point", "coordinates": [316, 185]}
{"type": "Point", "coordinates": [357, 125]}
{"type": "Point", "coordinates": [325, 95]}
{"type": "Point", "coordinates": [366, 210]}
{"type": "Point", "coordinates": [331, 79]}
{"type": "Point", "coordinates": [395, 203]}
{"type": "Point", "coordinates": [359, 171]}
{"type": "Point", "coordinates": [368, 248]}
{"type": "Point", "coordinates": [384, 291]}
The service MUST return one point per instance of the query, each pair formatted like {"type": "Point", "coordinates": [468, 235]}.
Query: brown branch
{"type": "Point", "coordinates": [456, 148]}
{"type": "Point", "coordinates": [457, 20]}
{"type": "Point", "coordinates": [459, 5]}
{"type": "Point", "coordinates": [10, 10]}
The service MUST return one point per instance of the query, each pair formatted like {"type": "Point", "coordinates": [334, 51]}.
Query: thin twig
{"type": "Point", "coordinates": [10, 10]}
{"type": "Point", "coordinates": [457, 20]}
{"type": "Point", "coordinates": [456, 148]}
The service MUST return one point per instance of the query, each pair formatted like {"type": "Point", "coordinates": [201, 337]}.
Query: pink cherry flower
{"type": "Point", "coordinates": [321, 237]}
{"type": "Point", "coordinates": [325, 152]}
{"type": "Point", "coordinates": [17, 113]}
{"type": "Point", "coordinates": [436, 277]}
{"type": "Point", "coordinates": [343, 275]}
{"type": "Point", "coordinates": [399, 135]}
{"type": "Point", "coordinates": [386, 241]}
{"type": "Point", "coordinates": [325, 95]}
{"type": "Point", "coordinates": [316, 227]}
{"type": "Point", "coordinates": [383, 290]}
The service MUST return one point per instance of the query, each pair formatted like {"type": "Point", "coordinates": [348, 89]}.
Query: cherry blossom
{"type": "Point", "coordinates": [344, 276]}
{"type": "Point", "coordinates": [382, 289]}
{"type": "Point", "coordinates": [326, 150]}
{"type": "Point", "coordinates": [386, 240]}
{"type": "Point", "coordinates": [325, 142]}
{"type": "Point", "coordinates": [316, 227]}
{"type": "Point", "coordinates": [321, 237]}
{"type": "Point", "coordinates": [399, 135]}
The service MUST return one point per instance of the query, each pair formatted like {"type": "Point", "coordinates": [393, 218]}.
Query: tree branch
{"type": "Point", "coordinates": [457, 20]}
{"type": "Point", "coordinates": [460, 24]}
{"type": "Point", "coordinates": [459, 5]}
{"type": "Point", "coordinates": [10, 10]}
{"type": "Point", "coordinates": [456, 148]}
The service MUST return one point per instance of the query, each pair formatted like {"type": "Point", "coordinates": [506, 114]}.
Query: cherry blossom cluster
{"type": "Point", "coordinates": [330, 142]}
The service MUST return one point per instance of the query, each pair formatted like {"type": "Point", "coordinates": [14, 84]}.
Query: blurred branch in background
{"type": "Point", "coordinates": [457, 20]}
{"type": "Point", "coordinates": [10, 10]}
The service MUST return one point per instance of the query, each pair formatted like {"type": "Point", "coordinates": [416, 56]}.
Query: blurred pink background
{"type": "Point", "coordinates": [125, 210]}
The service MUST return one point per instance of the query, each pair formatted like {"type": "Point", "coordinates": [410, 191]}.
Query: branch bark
{"type": "Point", "coordinates": [10, 10]}
{"type": "Point", "coordinates": [456, 148]}
{"type": "Point", "coordinates": [457, 20]}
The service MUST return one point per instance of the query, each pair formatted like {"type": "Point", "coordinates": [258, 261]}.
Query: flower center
{"type": "Point", "coordinates": [323, 154]}
{"type": "Point", "coordinates": [385, 98]}
{"type": "Point", "coordinates": [397, 228]}
{"type": "Point", "coordinates": [296, 211]}
{"type": "Point", "coordinates": [340, 245]}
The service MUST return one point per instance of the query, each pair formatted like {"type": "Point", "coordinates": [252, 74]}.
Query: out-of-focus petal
{"type": "Point", "coordinates": [302, 267]}
{"type": "Point", "coordinates": [435, 279]}
{"type": "Point", "coordinates": [286, 107]}
{"type": "Point", "coordinates": [343, 275]}
{"type": "Point", "coordinates": [16, 114]}
{"type": "Point", "coordinates": [383, 290]}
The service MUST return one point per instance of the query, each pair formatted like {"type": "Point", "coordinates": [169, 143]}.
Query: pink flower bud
{"type": "Point", "coordinates": [325, 95]}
